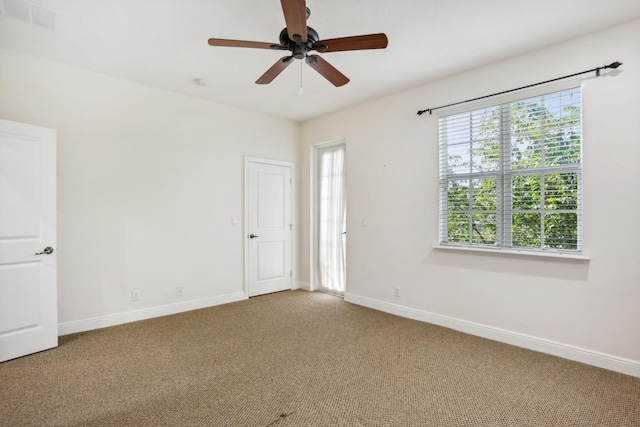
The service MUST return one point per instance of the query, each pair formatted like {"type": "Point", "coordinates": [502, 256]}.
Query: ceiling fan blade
{"type": "Point", "coordinates": [327, 70]}
{"type": "Point", "coordinates": [275, 70]}
{"type": "Point", "coordinates": [367, 41]}
{"type": "Point", "coordinates": [244, 43]}
{"type": "Point", "coordinates": [295, 15]}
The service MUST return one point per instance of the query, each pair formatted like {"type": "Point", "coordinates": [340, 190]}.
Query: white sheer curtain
{"type": "Point", "coordinates": [332, 215]}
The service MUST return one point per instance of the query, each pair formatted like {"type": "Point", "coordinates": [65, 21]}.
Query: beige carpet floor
{"type": "Point", "coordinates": [304, 359]}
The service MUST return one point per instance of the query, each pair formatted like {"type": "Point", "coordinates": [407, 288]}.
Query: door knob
{"type": "Point", "coordinates": [252, 236]}
{"type": "Point", "coordinates": [48, 250]}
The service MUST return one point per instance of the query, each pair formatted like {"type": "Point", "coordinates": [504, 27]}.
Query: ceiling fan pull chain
{"type": "Point", "coordinates": [301, 90]}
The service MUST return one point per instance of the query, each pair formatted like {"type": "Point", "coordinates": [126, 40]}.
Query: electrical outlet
{"type": "Point", "coordinates": [135, 295]}
{"type": "Point", "coordinates": [396, 292]}
{"type": "Point", "coordinates": [179, 291]}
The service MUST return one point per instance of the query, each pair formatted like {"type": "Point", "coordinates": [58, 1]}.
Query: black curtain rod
{"type": "Point", "coordinates": [597, 70]}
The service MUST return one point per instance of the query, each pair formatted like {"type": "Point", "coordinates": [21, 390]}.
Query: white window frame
{"type": "Point", "coordinates": [503, 178]}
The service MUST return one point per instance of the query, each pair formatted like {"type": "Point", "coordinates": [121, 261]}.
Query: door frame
{"type": "Point", "coordinates": [294, 217]}
{"type": "Point", "coordinates": [313, 208]}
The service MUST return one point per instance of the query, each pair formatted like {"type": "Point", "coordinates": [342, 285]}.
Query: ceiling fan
{"type": "Point", "coordinates": [299, 39]}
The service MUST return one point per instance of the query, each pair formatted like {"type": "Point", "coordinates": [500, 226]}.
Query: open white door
{"type": "Point", "coordinates": [268, 226]}
{"type": "Point", "coordinates": [28, 293]}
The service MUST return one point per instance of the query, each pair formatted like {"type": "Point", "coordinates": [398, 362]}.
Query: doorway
{"type": "Point", "coordinates": [268, 226]}
{"type": "Point", "coordinates": [330, 218]}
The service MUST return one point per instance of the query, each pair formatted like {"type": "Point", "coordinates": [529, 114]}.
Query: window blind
{"type": "Point", "coordinates": [511, 174]}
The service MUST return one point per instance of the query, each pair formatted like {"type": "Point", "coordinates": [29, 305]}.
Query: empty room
{"type": "Point", "coordinates": [319, 213]}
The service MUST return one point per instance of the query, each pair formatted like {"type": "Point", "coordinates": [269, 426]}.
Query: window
{"type": "Point", "coordinates": [511, 175]}
{"type": "Point", "coordinates": [331, 219]}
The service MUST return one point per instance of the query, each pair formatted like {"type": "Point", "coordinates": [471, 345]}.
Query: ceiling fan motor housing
{"type": "Point", "coordinates": [298, 48]}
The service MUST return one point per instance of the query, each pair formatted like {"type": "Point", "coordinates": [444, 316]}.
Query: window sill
{"type": "Point", "coordinates": [515, 252]}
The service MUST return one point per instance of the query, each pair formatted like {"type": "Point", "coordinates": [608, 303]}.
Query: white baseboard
{"type": "Point", "coordinates": [146, 313]}
{"type": "Point", "coordinates": [578, 354]}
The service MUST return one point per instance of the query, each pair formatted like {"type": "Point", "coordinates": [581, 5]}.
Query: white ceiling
{"type": "Point", "coordinates": [163, 43]}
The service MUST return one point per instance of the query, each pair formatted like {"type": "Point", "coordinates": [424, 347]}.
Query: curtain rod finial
{"type": "Point", "coordinates": [613, 65]}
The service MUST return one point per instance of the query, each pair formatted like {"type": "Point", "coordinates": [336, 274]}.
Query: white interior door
{"type": "Point", "coordinates": [28, 294]}
{"type": "Point", "coordinates": [268, 227]}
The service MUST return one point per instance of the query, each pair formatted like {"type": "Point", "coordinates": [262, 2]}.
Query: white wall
{"type": "Point", "coordinates": [392, 180]}
{"type": "Point", "coordinates": [148, 184]}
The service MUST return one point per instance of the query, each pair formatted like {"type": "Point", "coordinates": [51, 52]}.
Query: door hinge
{"type": "Point", "coordinates": [290, 273]}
